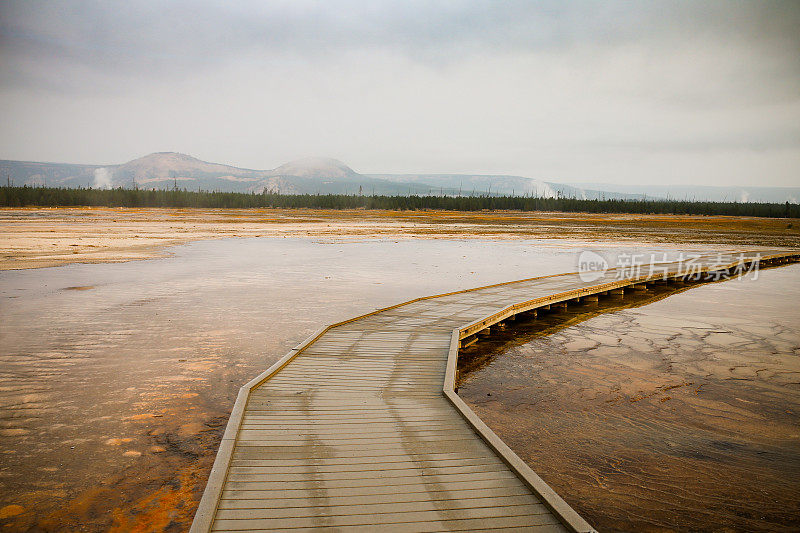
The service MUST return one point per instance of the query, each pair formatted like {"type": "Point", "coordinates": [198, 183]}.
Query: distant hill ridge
{"type": "Point", "coordinates": [313, 175]}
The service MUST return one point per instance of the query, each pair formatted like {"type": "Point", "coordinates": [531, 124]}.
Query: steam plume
{"type": "Point", "coordinates": [102, 178]}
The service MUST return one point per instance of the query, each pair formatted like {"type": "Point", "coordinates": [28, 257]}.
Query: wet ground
{"type": "Point", "coordinates": [47, 237]}
{"type": "Point", "coordinates": [656, 413]}
{"type": "Point", "coordinates": [116, 380]}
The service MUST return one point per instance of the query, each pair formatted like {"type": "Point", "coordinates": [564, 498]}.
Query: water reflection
{"type": "Point", "coordinates": [676, 414]}
{"type": "Point", "coordinates": [116, 380]}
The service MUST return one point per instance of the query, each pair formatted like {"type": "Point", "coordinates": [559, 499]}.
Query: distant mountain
{"type": "Point", "coordinates": [159, 170]}
{"type": "Point", "coordinates": [47, 174]}
{"type": "Point", "coordinates": [164, 170]}
{"type": "Point", "coordinates": [304, 176]}
{"type": "Point", "coordinates": [501, 185]}
{"type": "Point", "coordinates": [317, 167]}
{"type": "Point", "coordinates": [164, 166]}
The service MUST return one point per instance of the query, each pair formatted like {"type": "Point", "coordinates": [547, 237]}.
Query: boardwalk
{"type": "Point", "coordinates": [358, 428]}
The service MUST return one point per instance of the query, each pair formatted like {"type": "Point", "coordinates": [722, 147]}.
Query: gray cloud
{"type": "Point", "coordinates": [155, 39]}
{"type": "Point", "coordinates": [557, 89]}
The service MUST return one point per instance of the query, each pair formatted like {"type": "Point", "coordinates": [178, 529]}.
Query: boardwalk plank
{"type": "Point", "coordinates": [485, 514]}
{"type": "Point", "coordinates": [301, 498]}
{"type": "Point", "coordinates": [391, 511]}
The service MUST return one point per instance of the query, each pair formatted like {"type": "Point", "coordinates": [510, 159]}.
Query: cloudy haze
{"type": "Point", "coordinates": [652, 92]}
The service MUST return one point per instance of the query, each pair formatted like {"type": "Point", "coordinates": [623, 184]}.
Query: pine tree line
{"type": "Point", "coordinates": [60, 197]}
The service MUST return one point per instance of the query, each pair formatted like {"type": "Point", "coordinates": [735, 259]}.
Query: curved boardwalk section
{"type": "Point", "coordinates": [358, 428]}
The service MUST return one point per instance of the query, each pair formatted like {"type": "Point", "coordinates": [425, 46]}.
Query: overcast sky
{"type": "Point", "coordinates": [689, 92]}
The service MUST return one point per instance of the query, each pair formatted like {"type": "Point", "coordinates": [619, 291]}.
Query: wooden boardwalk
{"type": "Point", "coordinates": [359, 428]}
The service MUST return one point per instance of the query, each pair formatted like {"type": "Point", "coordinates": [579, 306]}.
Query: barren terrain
{"type": "Point", "coordinates": [46, 237]}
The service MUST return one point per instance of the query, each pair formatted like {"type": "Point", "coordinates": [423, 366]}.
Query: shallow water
{"type": "Point", "coordinates": [117, 379]}
{"type": "Point", "coordinates": [680, 414]}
